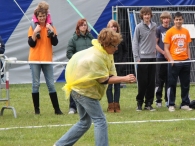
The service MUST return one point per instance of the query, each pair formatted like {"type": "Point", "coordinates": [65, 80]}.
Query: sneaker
{"type": "Point", "coordinates": [139, 108]}
{"type": "Point", "coordinates": [186, 107]}
{"type": "Point", "coordinates": [150, 108]}
{"type": "Point", "coordinates": [72, 111]}
{"type": "Point", "coordinates": [171, 108]}
{"type": "Point", "coordinates": [159, 104]}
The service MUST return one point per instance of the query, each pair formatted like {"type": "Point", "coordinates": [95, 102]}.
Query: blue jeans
{"type": "Point", "coordinates": [48, 74]}
{"type": "Point", "coordinates": [88, 109]}
{"type": "Point", "coordinates": [109, 93]}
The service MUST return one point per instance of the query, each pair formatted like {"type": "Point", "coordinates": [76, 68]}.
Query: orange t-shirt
{"type": "Point", "coordinates": [178, 40]}
{"type": "Point", "coordinates": [43, 49]}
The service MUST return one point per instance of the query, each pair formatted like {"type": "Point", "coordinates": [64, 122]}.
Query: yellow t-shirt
{"type": "Point", "coordinates": [43, 49]}
{"type": "Point", "coordinates": [178, 40]}
{"type": "Point", "coordinates": [84, 70]}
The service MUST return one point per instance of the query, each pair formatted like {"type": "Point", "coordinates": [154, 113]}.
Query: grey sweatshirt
{"type": "Point", "coordinates": [144, 41]}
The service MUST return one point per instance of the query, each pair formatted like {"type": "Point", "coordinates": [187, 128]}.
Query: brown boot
{"type": "Point", "coordinates": [110, 107]}
{"type": "Point", "coordinates": [117, 107]}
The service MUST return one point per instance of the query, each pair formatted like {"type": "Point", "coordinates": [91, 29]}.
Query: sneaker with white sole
{"type": "Point", "coordinates": [186, 107]}
{"type": "Point", "coordinates": [72, 111]}
{"type": "Point", "coordinates": [150, 108]}
{"type": "Point", "coordinates": [158, 104]}
{"type": "Point", "coordinates": [171, 108]}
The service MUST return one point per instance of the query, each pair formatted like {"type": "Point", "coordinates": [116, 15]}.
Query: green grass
{"type": "Point", "coordinates": [174, 133]}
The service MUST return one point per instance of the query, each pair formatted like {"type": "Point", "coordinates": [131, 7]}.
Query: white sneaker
{"type": "Point", "coordinates": [72, 111]}
{"type": "Point", "coordinates": [186, 107]}
{"type": "Point", "coordinates": [171, 108]}
{"type": "Point", "coordinates": [159, 104]}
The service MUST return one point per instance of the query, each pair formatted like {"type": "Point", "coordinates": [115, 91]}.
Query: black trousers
{"type": "Point", "coordinates": [72, 103]}
{"type": "Point", "coordinates": [161, 80]}
{"type": "Point", "coordinates": [146, 81]}
{"type": "Point", "coordinates": [181, 70]}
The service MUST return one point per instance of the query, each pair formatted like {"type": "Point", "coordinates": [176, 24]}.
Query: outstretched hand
{"type": "Point", "coordinates": [130, 78]}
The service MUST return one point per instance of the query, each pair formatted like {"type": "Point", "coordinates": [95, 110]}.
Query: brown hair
{"type": "Point", "coordinates": [115, 24]}
{"type": "Point", "coordinates": [107, 37]}
{"type": "Point", "coordinates": [145, 10]}
{"type": "Point", "coordinates": [165, 14]}
{"type": "Point", "coordinates": [40, 10]}
{"type": "Point", "coordinates": [80, 23]}
{"type": "Point", "coordinates": [44, 5]}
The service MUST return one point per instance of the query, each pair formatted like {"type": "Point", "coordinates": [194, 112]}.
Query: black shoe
{"type": "Point", "coordinates": [38, 35]}
{"type": "Point", "coordinates": [49, 33]}
{"type": "Point", "coordinates": [58, 112]}
{"type": "Point", "coordinates": [139, 108]}
{"type": "Point", "coordinates": [37, 111]}
{"type": "Point", "coordinates": [149, 107]}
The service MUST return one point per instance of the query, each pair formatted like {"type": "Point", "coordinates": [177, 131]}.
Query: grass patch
{"type": "Point", "coordinates": [175, 133]}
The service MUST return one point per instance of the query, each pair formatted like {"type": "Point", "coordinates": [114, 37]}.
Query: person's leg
{"type": "Point", "coordinates": [150, 85]}
{"type": "Point", "coordinates": [173, 72]}
{"type": "Point", "coordinates": [184, 77]}
{"type": "Point", "coordinates": [142, 75]}
{"type": "Point", "coordinates": [117, 97]}
{"type": "Point", "coordinates": [165, 79]}
{"type": "Point", "coordinates": [78, 129]}
{"type": "Point", "coordinates": [88, 109]}
{"type": "Point", "coordinates": [35, 72]}
{"type": "Point", "coordinates": [49, 78]}
{"type": "Point", "coordinates": [72, 106]}
{"type": "Point", "coordinates": [109, 95]}
{"type": "Point", "coordinates": [48, 73]}
{"type": "Point", "coordinates": [94, 110]}
{"type": "Point", "coordinates": [160, 81]}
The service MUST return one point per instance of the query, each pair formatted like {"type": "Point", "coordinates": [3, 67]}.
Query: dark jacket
{"type": "Point", "coordinates": [78, 43]}
{"type": "Point", "coordinates": [121, 56]}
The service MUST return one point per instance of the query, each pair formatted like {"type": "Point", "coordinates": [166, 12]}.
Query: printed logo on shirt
{"type": "Point", "coordinates": [180, 44]}
{"type": "Point", "coordinates": [163, 36]}
{"type": "Point", "coordinates": [178, 36]}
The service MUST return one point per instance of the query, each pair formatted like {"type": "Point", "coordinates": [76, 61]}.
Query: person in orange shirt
{"type": "Point", "coordinates": [41, 50]}
{"type": "Point", "coordinates": [176, 47]}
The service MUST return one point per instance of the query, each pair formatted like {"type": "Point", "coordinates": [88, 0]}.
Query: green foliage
{"type": "Point", "coordinates": [128, 128]}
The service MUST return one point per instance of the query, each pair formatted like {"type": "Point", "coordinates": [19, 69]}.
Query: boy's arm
{"type": "Point", "coordinates": [167, 52]}
{"type": "Point", "coordinates": [188, 49]}
{"type": "Point", "coordinates": [159, 49]}
{"type": "Point", "coordinates": [135, 45]}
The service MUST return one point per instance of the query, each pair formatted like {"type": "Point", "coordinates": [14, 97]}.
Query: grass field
{"type": "Point", "coordinates": [128, 128]}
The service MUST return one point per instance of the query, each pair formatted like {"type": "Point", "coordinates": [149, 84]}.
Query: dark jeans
{"type": "Point", "coordinates": [181, 70]}
{"type": "Point", "coordinates": [109, 93]}
{"type": "Point", "coordinates": [161, 80]}
{"type": "Point", "coordinates": [72, 103]}
{"type": "Point", "coordinates": [146, 81]}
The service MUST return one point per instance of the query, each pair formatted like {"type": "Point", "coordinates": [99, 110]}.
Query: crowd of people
{"type": "Point", "coordinates": [88, 78]}
{"type": "Point", "coordinates": [171, 44]}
